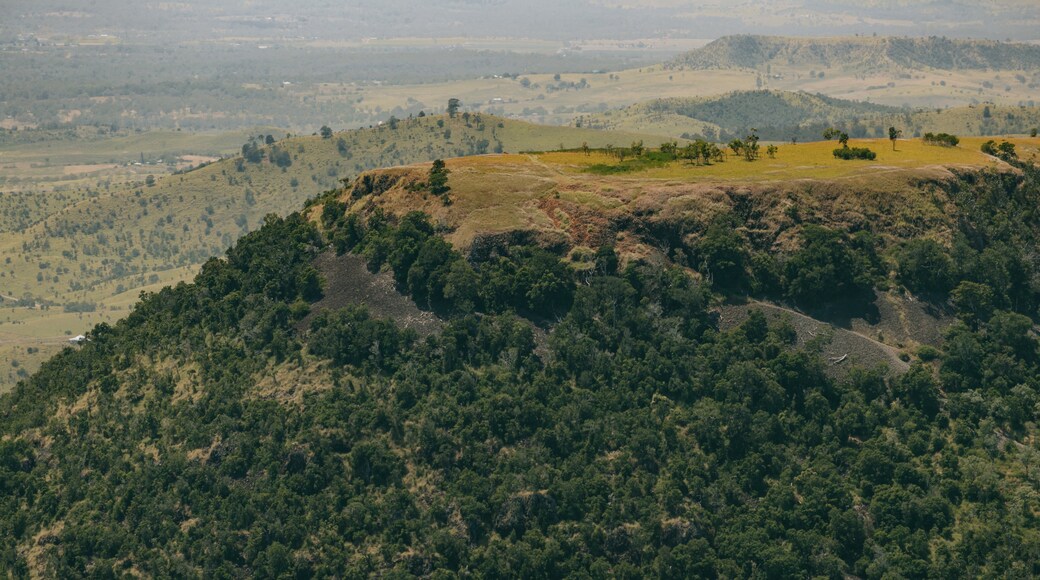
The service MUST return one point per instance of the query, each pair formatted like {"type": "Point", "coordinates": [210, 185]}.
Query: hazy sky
{"type": "Point", "coordinates": [549, 19]}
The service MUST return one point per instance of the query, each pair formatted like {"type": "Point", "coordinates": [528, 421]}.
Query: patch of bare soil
{"type": "Point", "coordinates": [906, 320]}
{"type": "Point", "coordinates": [82, 169]}
{"type": "Point", "coordinates": [842, 349]}
{"type": "Point", "coordinates": [349, 282]}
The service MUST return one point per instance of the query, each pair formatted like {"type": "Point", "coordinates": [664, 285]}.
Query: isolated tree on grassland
{"type": "Point", "coordinates": [326, 132]}
{"type": "Point", "coordinates": [894, 135]}
{"type": "Point", "coordinates": [771, 151]}
{"type": "Point", "coordinates": [453, 107]}
{"type": "Point", "coordinates": [751, 148]}
{"type": "Point", "coordinates": [439, 180]}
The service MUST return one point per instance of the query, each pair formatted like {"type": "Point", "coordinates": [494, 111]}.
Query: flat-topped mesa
{"type": "Point", "coordinates": [568, 201]}
{"type": "Point", "coordinates": [752, 51]}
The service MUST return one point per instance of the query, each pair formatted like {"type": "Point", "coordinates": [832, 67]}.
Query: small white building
{"type": "Point", "coordinates": [78, 339]}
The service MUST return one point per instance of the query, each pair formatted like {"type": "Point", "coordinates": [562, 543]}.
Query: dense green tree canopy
{"type": "Point", "coordinates": [600, 426]}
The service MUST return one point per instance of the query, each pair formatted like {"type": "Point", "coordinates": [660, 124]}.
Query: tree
{"type": "Point", "coordinates": [439, 180]}
{"type": "Point", "coordinates": [723, 255]}
{"type": "Point", "coordinates": [925, 267]}
{"type": "Point", "coordinates": [843, 138]}
{"type": "Point", "coordinates": [1033, 133]}
{"type": "Point", "coordinates": [326, 132]}
{"type": "Point", "coordinates": [973, 302]}
{"type": "Point", "coordinates": [750, 148]}
{"type": "Point", "coordinates": [1006, 151]}
{"type": "Point", "coordinates": [893, 136]}
{"type": "Point", "coordinates": [917, 388]}
{"type": "Point", "coordinates": [453, 107]}
{"type": "Point", "coordinates": [771, 151]}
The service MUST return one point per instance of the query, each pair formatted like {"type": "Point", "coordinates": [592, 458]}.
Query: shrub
{"type": "Point", "coordinates": [928, 353]}
{"type": "Point", "coordinates": [850, 153]}
{"type": "Point", "coordinates": [941, 139]}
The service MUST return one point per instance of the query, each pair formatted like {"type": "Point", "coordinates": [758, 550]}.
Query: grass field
{"type": "Point", "coordinates": [808, 161]}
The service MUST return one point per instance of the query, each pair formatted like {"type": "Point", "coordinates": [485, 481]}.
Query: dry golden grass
{"type": "Point", "coordinates": [555, 194]}
{"type": "Point", "coordinates": [807, 161]}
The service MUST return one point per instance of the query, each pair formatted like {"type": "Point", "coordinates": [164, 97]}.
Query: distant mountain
{"type": "Point", "coordinates": [867, 53]}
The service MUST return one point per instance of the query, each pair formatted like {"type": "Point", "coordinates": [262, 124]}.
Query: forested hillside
{"type": "Point", "coordinates": [578, 414]}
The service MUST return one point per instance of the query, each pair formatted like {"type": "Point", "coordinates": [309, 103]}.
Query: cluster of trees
{"type": "Point", "coordinates": [829, 267]}
{"type": "Point", "coordinates": [1005, 151]}
{"type": "Point", "coordinates": [699, 152]}
{"type": "Point", "coordinates": [524, 279]}
{"type": "Point", "coordinates": [988, 268]}
{"type": "Point", "coordinates": [254, 149]}
{"type": "Point", "coordinates": [841, 136]}
{"type": "Point", "coordinates": [747, 147]}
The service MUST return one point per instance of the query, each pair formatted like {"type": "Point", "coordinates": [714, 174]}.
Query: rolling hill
{"type": "Point", "coordinates": [783, 116]}
{"type": "Point", "coordinates": [85, 257]}
{"type": "Point", "coordinates": [594, 367]}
